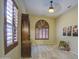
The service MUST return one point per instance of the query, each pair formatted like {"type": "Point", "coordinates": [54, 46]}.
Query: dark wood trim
{"type": "Point", "coordinates": [41, 39]}
{"type": "Point", "coordinates": [4, 25]}
{"type": "Point", "coordinates": [7, 49]}
{"type": "Point", "coordinates": [15, 3]}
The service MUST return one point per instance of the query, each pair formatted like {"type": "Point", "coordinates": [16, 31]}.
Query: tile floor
{"type": "Point", "coordinates": [50, 52]}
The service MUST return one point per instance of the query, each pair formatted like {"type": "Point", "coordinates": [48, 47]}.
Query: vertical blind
{"type": "Point", "coordinates": [11, 23]}
{"type": "Point", "coordinates": [42, 33]}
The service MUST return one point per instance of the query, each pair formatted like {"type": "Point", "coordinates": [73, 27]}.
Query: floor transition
{"type": "Point", "coordinates": [50, 52]}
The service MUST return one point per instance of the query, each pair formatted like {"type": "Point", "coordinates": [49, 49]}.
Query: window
{"type": "Point", "coordinates": [10, 26]}
{"type": "Point", "coordinates": [42, 30]}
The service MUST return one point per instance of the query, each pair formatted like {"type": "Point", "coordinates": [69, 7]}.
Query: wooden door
{"type": "Point", "coordinates": [25, 36]}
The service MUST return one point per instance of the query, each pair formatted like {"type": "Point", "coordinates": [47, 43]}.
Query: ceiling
{"type": "Point", "coordinates": [40, 7]}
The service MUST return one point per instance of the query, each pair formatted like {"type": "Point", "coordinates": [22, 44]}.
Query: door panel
{"type": "Point", "coordinates": [25, 36]}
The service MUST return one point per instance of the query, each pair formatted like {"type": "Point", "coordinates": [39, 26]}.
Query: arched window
{"type": "Point", "coordinates": [41, 30]}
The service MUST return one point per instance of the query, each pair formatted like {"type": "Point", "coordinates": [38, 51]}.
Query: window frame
{"type": "Point", "coordinates": [42, 33]}
{"type": "Point", "coordinates": [9, 48]}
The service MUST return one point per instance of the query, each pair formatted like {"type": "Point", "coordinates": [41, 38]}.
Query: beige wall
{"type": "Point", "coordinates": [16, 52]}
{"type": "Point", "coordinates": [69, 18]}
{"type": "Point", "coordinates": [52, 35]}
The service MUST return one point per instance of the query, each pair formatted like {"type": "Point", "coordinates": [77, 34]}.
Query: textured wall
{"type": "Point", "coordinates": [69, 18]}
{"type": "Point", "coordinates": [52, 35]}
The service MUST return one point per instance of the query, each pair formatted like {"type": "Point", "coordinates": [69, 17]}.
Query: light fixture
{"type": "Point", "coordinates": [51, 8]}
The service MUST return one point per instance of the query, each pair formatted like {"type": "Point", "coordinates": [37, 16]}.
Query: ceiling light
{"type": "Point", "coordinates": [51, 9]}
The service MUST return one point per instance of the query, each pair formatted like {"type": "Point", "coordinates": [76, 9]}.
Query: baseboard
{"type": "Point", "coordinates": [42, 44]}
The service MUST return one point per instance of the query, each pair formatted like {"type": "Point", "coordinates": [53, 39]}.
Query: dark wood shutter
{"type": "Point", "coordinates": [10, 25]}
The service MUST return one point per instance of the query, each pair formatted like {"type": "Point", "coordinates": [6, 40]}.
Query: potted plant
{"type": "Point", "coordinates": [64, 46]}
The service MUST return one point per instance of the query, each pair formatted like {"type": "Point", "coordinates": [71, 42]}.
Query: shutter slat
{"type": "Point", "coordinates": [9, 17]}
